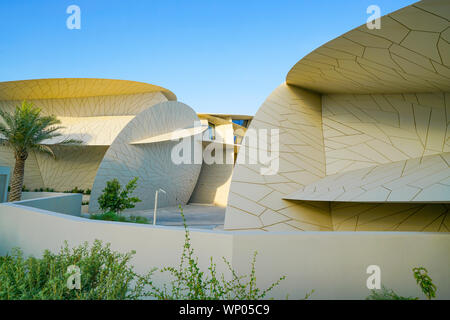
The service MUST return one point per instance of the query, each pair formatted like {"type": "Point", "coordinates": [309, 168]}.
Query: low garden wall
{"type": "Point", "coordinates": [334, 264]}
{"type": "Point", "coordinates": [57, 202]}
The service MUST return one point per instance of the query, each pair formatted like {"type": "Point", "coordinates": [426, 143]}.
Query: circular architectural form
{"type": "Point", "coordinates": [409, 53]}
{"type": "Point", "coordinates": [134, 154]}
{"type": "Point", "coordinates": [363, 135]}
{"type": "Point", "coordinates": [93, 111]}
{"type": "Point", "coordinates": [63, 88]}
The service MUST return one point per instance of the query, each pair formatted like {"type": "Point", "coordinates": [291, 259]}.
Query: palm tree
{"type": "Point", "coordinates": [24, 130]}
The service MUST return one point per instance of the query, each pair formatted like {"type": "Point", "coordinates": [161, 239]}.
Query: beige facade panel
{"type": "Point", "coordinates": [424, 217]}
{"type": "Point", "coordinates": [151, 163]}
{"type": "Point", "coordinates": [33, 178]}
{"type": "Point", "coordinates": [424, 179]}
{"type": "Point", "coordinates": [219, 153]}
{"type": "Point", "coordinates": [72, 167]}
{"type": "Point", "coordinates": [179, 134]}
{"type": "Point", "coordinates": [409, 53]}
{"type": "Point", "coordinates": [255, 200]}
{"type": "Point", "coordinates": [213, 184]}
{"type": "Point", "coordinates": [75, 88]}
{"type": "Point", "coordinates": [94, 111]}
{"type": "Point", "coordinates": [367, 130]}
{"type": "Point", "coordinates": [96, 106]}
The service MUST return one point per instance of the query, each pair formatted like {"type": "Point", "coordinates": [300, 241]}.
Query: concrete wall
{"type": "Point", "coordinates": [44, 194]}
{"type": "Point", "coordinates": [34, 230]}
{"type": "Point", "coordinates": [69, 204]}
{"type": "Point", "coordinates": [213, 184]}
{"type": "Point", "coordinates": [332, 263]}
{"type": "Point", "coordinates": [256, 200]}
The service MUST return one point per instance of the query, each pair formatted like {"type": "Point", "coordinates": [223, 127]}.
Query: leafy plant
{"type": "Point", "coordinates": [387, 294]}
{"type": "Point", "coordinates": [25, 130]}
{"type": "Point", "coordinates": [112, 216]}
{"type": "Point", "coordinates": [105, 274]}
{"type": "Point", "coordinates": [189, 282]}
{"type": "Point", "coordinates": [425, 282]}
{"type": "Point", "coordinates": [116, 199]}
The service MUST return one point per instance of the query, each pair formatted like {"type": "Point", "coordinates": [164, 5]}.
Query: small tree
{"type": "Point", "coordinates": [116, 199]}
{"type": "Point", "coordinates": [25, 130]}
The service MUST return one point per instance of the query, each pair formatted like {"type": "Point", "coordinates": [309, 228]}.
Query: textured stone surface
{"type": "Point", "coordinates": [415, 180]}
{"type": "Point", "coordinates": [366, 130]}
{"type": "Point", "coordinates": [61, 88]}
{"type": "Point", "coordinates": [256, 201]}
{"type": "Point", "coordinates": [150, 162]}
{"type": "Point", "coordinates": [91, 110]}
{"type": "Point", "coordinates": [409, 53]}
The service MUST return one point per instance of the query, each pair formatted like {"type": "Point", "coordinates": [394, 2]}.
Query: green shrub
{"type": "Point", "coordinates": [423, 280]}
{"type": "Point", "coordinates": [105, 274]}
{"type": "Point", "coordinates": [116, 199]}
{"type": "Point", "coordinates": [189, 282]}
{"type": "Point", "coordinates": [112, 216]}
{"type": "Point", "coordinates": [386, 294]}
{"type": "Point", "coordinates": [74, 190]}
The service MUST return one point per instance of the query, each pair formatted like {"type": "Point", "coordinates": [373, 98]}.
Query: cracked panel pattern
{"type": "Point", "coordinates": [91, 110]}
{"type": "Point", "coordinates": [72, 167]}
{"type": "Point", "coordinates": [33, 178]}
{"type": "Point", "coordinates": [425, 179]}
{"type": "Point", "coordinates": [61, 88]}
{"type": "Point", "coordinates": [426, 217]}
{"type": "Point", "coordinates": [366, 130]}
{"type": "Point", "coordinates": [150, 162]}
{"type": "Point", "coordinates": [96, 106]}
{"type": "Point", "coordinates": [255, 200]}
{"type": "Point", "coordinates": [409, 53]}
{"type": "Point", "coordinates": [380, 135]}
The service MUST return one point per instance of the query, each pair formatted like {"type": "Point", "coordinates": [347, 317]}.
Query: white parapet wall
{"type": "Point", "coordinates": [334, 264]}
{"type": "Point", "coordinates": [56, 202]}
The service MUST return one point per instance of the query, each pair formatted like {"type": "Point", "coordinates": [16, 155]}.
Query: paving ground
{"type": "Point", "coordinates": [197, 216]}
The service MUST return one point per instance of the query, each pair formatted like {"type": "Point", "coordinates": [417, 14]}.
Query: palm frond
{"type": "Point", "coordinates": [26, 129]}
{"type": "Point", "coordinates": [45, 149]}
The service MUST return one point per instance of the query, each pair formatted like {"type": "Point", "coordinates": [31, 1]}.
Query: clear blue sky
{"type": "Point", "coordinates": [218, 56]}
